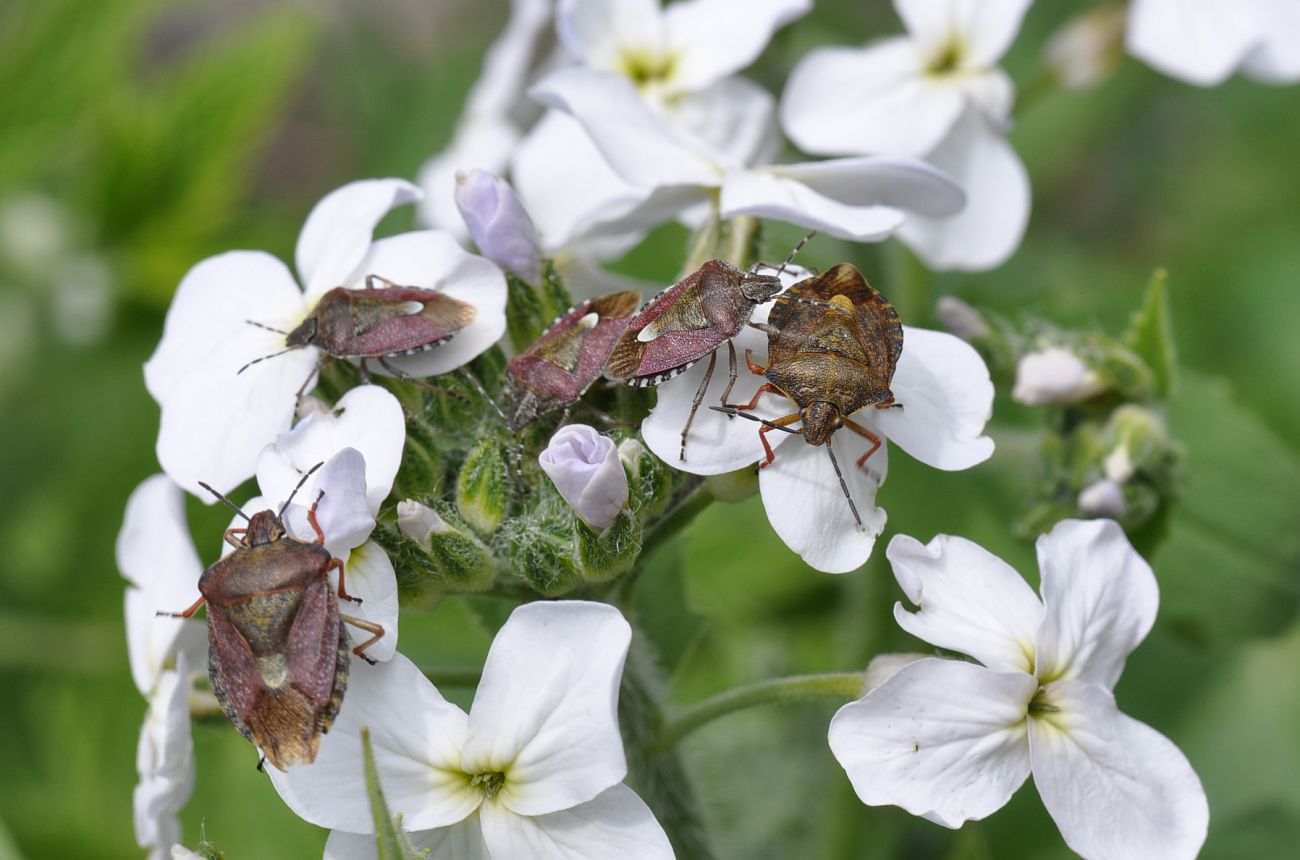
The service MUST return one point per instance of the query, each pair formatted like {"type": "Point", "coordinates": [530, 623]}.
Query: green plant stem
{"type": "Point", "coordinates": [704, 245]}
{"type": "Point", "coordinates": [690, 501]}
{"type": "Point", "coordinates": [840, 685]}
{"type": "Point", "coordinates": [911, 285]}
{"type": "Point", "coordinates": [740, 235]}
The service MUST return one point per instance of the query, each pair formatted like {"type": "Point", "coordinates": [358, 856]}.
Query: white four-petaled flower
{"type": "Point", "coordinates": [946, 396]}
{"type": "Point", "coordinates": [534, 770]}
{"type": "Point", "coordinates": [1202, 42]}
{"type": "Point", "coordinates": [936, 93]}
{"type": "Point", "coordinates": [215, 419]}
{"type": "Point", "coordinates": [952, 740]}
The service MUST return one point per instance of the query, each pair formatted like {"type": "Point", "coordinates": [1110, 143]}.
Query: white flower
{"type": "Point", "coordinates": [535, 770]}
{"type": "Point", "coordinates": [215, 420]}
{"type": "Point", "coordinates": [952, 740]}
{"type": "Point", "coordinates": [936, 92]}
{"type": "Point", "coordinates": [947, 398]}
{"type": "Point", "coordinates": [491, 122]}
{"type": "Point", "coordinates": [360, 443]}
{"type": "Point", "coordinates": [586, 469]}
{"type": "Point", "coordinates": [498, 224]}
{"type": "Point", "coordinates": [851, 198]}
{"type": "Point", "coordinates": [1203, 42]}
{"type": "Point", "coordinates": [165, 761]}
{"type": "Point", "coordinates": [1054, 375]}
{"type": "Point", "coordinates": [156, 554]}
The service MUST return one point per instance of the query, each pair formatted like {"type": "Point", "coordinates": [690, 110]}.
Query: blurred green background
{"type": "Point", "coordinates": [137, 137]}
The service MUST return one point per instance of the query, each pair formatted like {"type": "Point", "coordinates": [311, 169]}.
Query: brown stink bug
{"type": "Point", "coordinates": [833, 356]}
{"type": "Point", "coordinates": [376, 322]}
{"type": "Point", "coordinates": [689, 321]}
{"type": "Point", "coordinates": [569, 356]}
{"type": "Point", "coordinates": [277, 648]}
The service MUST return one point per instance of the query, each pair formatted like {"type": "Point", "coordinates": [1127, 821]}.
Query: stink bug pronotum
{"type": "Point", "coordinates": [831, 361]}
{"type": "Point", "coordinates": [277, 648]}
{"type": "Point", "coordinates": [569, 356]}
{"type": "Point", "coordinates": [690, 320]}
{"type": "Point", "coordinates": [376, 322]}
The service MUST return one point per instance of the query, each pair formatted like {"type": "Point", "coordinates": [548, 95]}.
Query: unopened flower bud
{"type": "Point", "coordinates": [1137, 437]}
{"type": "Point", "coordinates": [1104, 498]}
{"type": "Point", "coordinates": [419, 522]}
{"type": "Point", "coordinates": [602, 556]}
{"type": "Point", "coordinates": [436, 556]}
{"type": "Point", "coordinates": [1054, 375]}
{"type": "Point", "coordinates": [482, 487]}
{"type": "Point", "coordinates": [1088, 49]}
{"type": "Point", "coordinates": [585, 468]}
{"type": "Point", "coordinates": [961, 319]}
{"type": "Point", "coordinates": [501, 228]}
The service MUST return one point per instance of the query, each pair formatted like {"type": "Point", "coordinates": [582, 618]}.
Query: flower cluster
{"type": "Point", "coordinates": [456, 468]}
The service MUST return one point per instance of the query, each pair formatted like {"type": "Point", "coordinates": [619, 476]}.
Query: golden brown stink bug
{"type": "Point", "coordinates": [277, 648]}
{"type": "Point", "coordinates": [831, 361]}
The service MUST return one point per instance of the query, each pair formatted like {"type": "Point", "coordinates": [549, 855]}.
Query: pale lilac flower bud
{"type": "Point", "coordinates": [1054, 375]}
{"type": "Point", "coordinates": [420, 522]}
{"type": "Point", "coordinates": [585, 467]}
{"type": "Point", "coordinates": [1087, 49]}
{"type": "Point", "coordinates": [961, 319]}
{"type": "Point", "coordinates": [498, 223]}
{"type": "Point", "coordinates": [1104, 498]}
{"type": "Point", "coordinates": [884, 666]}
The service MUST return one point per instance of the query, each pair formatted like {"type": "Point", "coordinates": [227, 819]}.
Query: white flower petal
{"type": "Point", "coordinates": [968, 600]}
{"type": "Point", "coordinates": [697, 28]}
{"type": "Point", "coordinates": [904, 183]}
{"type": "Point", "coordinates": [1116, 787]}
{"type": "Point", "coordinates": [155, 552]}
{"type": "Point", "coordinates": [338, 495]}
{"type": "Point", "coordinates": [508, 61]}
{"type": "Point", "coordinates": [1054, 375]}
{"type": "Point", "coordinates": [735, 117]}
{"type": "Point", "coordinates": [638, 144]}
{"type": "Point", "coordinates": [340, 228]}
{"type": "Point", "coordinates": [566, 184]}
{"type": "Point", "coordinates": [367, 418]}
{"type": "Point", "coordinates": [616, 823]}
{"type": "Point", "coordinates": [1201, 43]}
{"type": "Point", "coordinates": [806, 506]}
{"type": "Point", "coordinates": [947, 399]}
{"type": "Point", "coordinates": [599, 33]}
{"type": "Point", "coordinates": [845, 101]}
{"type": "Point", "coordinates": [215, 420]}
{"type": "Point", "coordinates": [460, 841]}
{"type": "Point", "coordinates": [164, 761]}
{"type": "Point", "coordinates": [432, 259]}
{"type": "Point", "coordinates": [988, 231]}
{"type": "Point", "coordinates": [1276, 59]}
{"type": "Point", "coordinates": [369, 574]}
{"type": "Point", "coordinates": [941, 738]}
{"type": "Point", "coordinates": [546, 710]}
{"type": "Point", "coordinates": [985, 28]}
{"type": "Point", "coordinates": [1101, 600]}
{"type": "Point", "coordinates": [481, 142]}
{"type": "Point", "coordinates": [717, 444]}
{"type": "Point", "coordinates": [767, 195]}
{"type": "Point", "coordinates": [416, 736]}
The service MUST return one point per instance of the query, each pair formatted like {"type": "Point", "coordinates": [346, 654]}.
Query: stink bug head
{"type": "Point", "coordinates": [820, 419]}
{"type": "Point", "coordinates": [758, 288]}
{"type": "Point", "coordinates": [264, 528]}
{"type": "Point", "coordinates": [304, 334]}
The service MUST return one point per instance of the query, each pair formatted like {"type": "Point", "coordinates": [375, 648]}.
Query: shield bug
{"type": "Point", "coordinates": [277, 648]}
{"type": "Point", "coordinates": [569, 356]}
{"type": "Point", "coordinates": [833, 356]}
{"type": "Point", "coordinates": [689, 321]}
{"type": "Point", "coordinates": [377, 322]}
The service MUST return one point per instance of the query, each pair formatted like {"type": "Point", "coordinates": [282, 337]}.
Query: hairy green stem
{"type": "Point", "coordinates": [689, 502]}
{"type": "Point", "coordinates": [704, 244]}
{"type": "Point", "coordinates": [840, 685]}
{"type": "Point", "coordinates": [740, 236]}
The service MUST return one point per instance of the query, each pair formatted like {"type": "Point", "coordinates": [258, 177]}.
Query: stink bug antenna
{"type": "Point", "coordinates": [731, 410]}
{"type": "Point", "coordinates": [843, 485]}
{"type": "Point", "coordinates": [234, 507]}
{"type": "Point", "coordinates": [266, 327]}
{"type": "Point", "coordinates": [264, 358]}
{"type": "Point", "coordinates": [301, 481]}
{"type": "Point", "coordinates": [794, 252]}
{"type": "Point", "coordinates": [482, 392]}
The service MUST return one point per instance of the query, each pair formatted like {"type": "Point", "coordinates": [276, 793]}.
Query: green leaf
{"type": "Point", "coordinates": [390, 840]}
{"type": "Point", "coordinates": [1151, 335]}
{"type": "Point", "coordinates": [1230, 569]}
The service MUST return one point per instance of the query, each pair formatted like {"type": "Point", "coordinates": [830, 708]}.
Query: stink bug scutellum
{"type": "Point", "coordinates": [688, 321]}
{"type": "Point", "coordinates": [832, 356]}
{"type": "Point", "coordinates": [277, 648]}
{"type": "Point", "coordinates": [376, 322]}
{"type": "Point", "coordinates": [569, 356]}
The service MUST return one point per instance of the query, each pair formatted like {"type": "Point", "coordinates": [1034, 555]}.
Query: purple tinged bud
{"type": "Point", "coordinates": [585, 468]}
{"type": "Point", "coordinates": [498, 223]}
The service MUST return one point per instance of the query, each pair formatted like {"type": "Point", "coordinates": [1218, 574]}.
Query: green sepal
{"type": "Point", "coordinates": [542, 553]}
{"type": "Point", "coordinates": [423, 466]}
{"type": "Point", "coordinates": [556, 299]}
{"type": "Point", "coordinates": [526, 317]}
{"type": "Point", "coordinates": [391, 842]}
{"type": "Point", "coordinates": [454, 561]}
{"type": "Point", "coordinates": [1151, 335]}
{"type": "Point", "coordinates": [602, 556]}
{"type": "Point", "coordinates": [483, 486]}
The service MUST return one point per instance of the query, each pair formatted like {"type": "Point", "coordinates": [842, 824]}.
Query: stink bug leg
{"type": "Point", "coordinates": [376, 633]}
{"type": "Point", "coordinates": [699, 398]}
{"type": "Point", "coordinates": [187, 613]}
{"type": "Point", "coordinates": [335, 564]}
{"type": "Point", "coordinates": [865, 434]}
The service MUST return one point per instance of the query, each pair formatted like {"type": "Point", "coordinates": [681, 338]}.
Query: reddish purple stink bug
{"type": "Point", "coordinates": [569, 356]}
{"type": "Point", "coordinates": [377, 322]}
{"type": "Point", "coordinates": [277, 648]}
{"type": "Point", "coordinates": [690, 320]}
